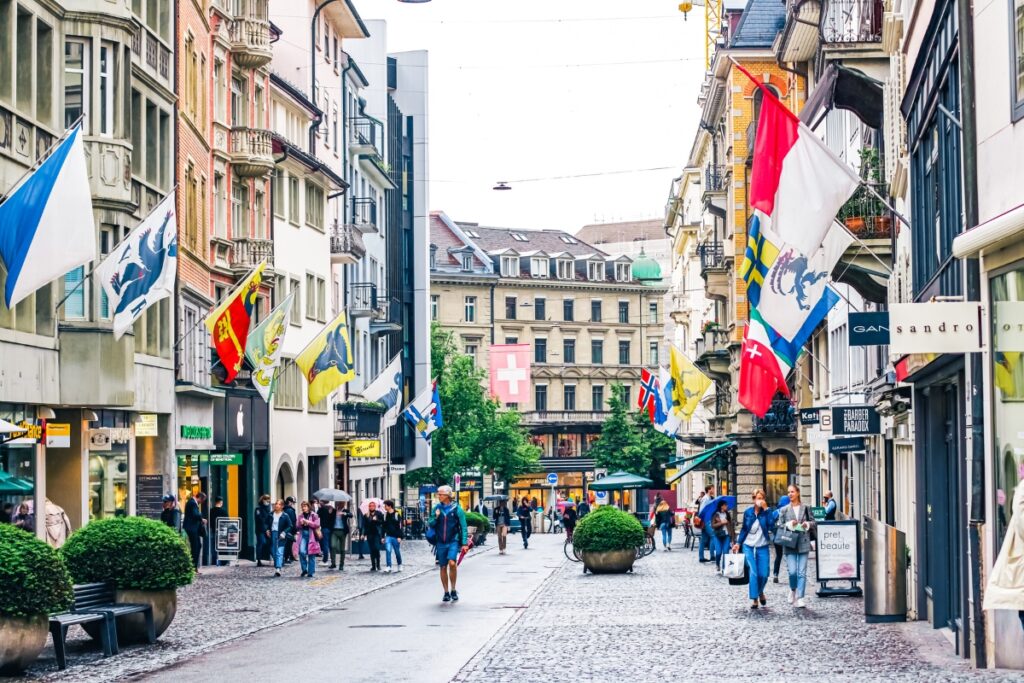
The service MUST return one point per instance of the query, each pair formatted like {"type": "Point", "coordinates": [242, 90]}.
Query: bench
{"type": "Point", "coordinates": [96, 602]}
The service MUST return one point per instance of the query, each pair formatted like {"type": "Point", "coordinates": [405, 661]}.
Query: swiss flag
{"type": "Point", "coordinates": [761, 376]}
{"type": "Point", "coordinates": [510, 372]}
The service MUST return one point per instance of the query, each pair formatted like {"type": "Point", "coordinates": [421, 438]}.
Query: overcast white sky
{"type": "Point", "coordinates": [535, 89]}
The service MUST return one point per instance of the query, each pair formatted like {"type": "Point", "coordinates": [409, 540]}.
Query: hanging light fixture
{"type": "Point", "coordinates": [502, 185]}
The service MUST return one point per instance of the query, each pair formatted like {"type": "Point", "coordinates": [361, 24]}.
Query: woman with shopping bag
{"type": "Point", "coordinates": [754, 540]}
{"type": "Point", "coordinates": [794, 535]}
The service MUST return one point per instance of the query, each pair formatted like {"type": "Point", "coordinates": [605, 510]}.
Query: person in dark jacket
{"type": "Point", "coordinates": [525, 526]}
{"type": "Point", "coordinates": [194, 525]}
{"type": "Point", "coordinates": [281, 533]}
{"type": "Point", "coordinates": [569, 518]}
{"type": "Point", "coordinates": [171, 515]}
{"type": "Point", "coordinates": [502, 522]}
{"type": "Point", "coordinates": [373, 530]}
{"type": "Point", "coordinates": [289, 509]}
{"type": "Point", "coordinates": [338, 534]}
{"type": "Point", "coordinates": [216, 512]}
{"type": "Point", "coordinates": [583, 509]}
{"type": "Point", "coordinates": [263, 516]}
{"type": "Point", "coordinates": [755, 536]}
{"type": "Point", "coordinates": [328, 514]}
{"type": "Point", "coordinates": [392, 534]}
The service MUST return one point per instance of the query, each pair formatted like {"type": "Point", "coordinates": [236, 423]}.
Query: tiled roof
{"type": "Point", "coordinates": [445, 240]}
{"type": "Point", "coordinates": [628, 231]}
{"type": "Point", "coordinates": [761, 22]}
{"type": "Point", "coordinates": [550, 241]}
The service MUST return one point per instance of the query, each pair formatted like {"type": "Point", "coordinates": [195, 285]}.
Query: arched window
{"type": "Point", "coordinates": [758, 96]}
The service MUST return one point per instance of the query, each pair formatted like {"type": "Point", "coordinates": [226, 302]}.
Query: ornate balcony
{"type": "Point", "coordinates": [713, 354]}
{"type": "Point", "coordinates": [715, 180]}
{"type": "Point", "coordinates": [866, 264]}
{"type": "Point", "coordinates": [852, 21]}
{"type": "Point", "coordinates": [801, 34]}
{"type": "Point", "coordinates": [347, 245]}
{"type": "Point", "coordinates": [250, 42]}
{"type": "Point", "coordinates": [251, 152]}
{"type": "Point", "coordinates": [247, 253]}
{"type": "Point", "coordinates": [780, 418]}
{"type": "Point", "coordinates": [364, 214]}
{"type": "Point", "coordinates": [365, 136]}
{"type": "Point", "coordinates": [538, 418]}
{"type": "Point", "coordinates": [714, 268]}
{"type": "Point", "coordinates": [363, 301]}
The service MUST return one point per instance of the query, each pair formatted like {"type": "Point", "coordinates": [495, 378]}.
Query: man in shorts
{"type": "Point", "coordinates": [452, 538]}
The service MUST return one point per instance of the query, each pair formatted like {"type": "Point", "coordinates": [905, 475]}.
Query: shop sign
{"type": "Point", "coordinates": [196, 432]}
{"type": "Point", "coordinates": [856, 420]}
{"type": "Point", "coordinates": [146, 425]}
{"type": "Point", "coordinates": [810, 416]}
{"type": "Point", "coordinates": [58, 435]}
{"type": "Point", "coordinates": [360, 448]}
{"type": "Point", "coordinates": [1008, 325]}
{"type": "Point", "coordinates": [397, 469]}
{"type": "Point", "coordinates": [838, 551]}
{"type": "Point", "coordinates": [229, 536]}
{"type": "Point", "coordinates": [818, 513]}
{"type": "Point", "coordinates": [869, 329]}
{"type": "Point", "coordinates": [848, 445]}
{"type": "Point", "coordinates": [935, 327]}
{"type": "Point", "coordinates": [189, 460]}
{"type": "Point", "coordinates": [224, 459]}
{"type": "Point", "coordinates": [32, 435]}
{"type": "Point", "coordinates": [99, 440]}
{"type": "Point", "coordinates": [149, 495]}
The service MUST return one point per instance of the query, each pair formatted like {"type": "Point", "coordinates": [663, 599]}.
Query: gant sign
{"type": "Point", "coordinates": [869, 329]}
{"type": "Point", "coordinates": [938, 327]}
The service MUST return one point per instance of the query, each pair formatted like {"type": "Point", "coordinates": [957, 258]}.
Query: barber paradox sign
{"type": "Point", "coordinates": [849, 420]}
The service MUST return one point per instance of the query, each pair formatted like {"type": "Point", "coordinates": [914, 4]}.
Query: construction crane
{"type": "Point", "coordinates": [712, 24]}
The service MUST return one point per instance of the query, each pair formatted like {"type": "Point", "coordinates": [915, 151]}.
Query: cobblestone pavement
{"type": "Point", "coordinates": [226, 603]}
{"type": "Point", "coordinates": [676, 620]}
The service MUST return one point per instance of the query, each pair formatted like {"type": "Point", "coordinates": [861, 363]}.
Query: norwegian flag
{"type": "Point", "coordinates": [649, 389]}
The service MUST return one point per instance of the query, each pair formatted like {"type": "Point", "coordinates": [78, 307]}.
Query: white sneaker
{"type": "Point", "coordinates": [387, 570]}
{"type": "Point", "coordinates": [792, 597]}
{"type": "Point", "coordinates": [399, 568]}
{"type": "Point", "coordinates": [801, 603]}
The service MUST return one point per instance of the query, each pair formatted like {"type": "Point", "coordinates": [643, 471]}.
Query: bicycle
{"type": "Point", "coordinates": [646, 549]}
{"type": "Point", "coordinates": [571, 552]}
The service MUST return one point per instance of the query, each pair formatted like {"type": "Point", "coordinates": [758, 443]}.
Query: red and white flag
{"type": "Point", "coordinates": [762, 371]}
{"type": "Point", "coordinates": [510, 372]}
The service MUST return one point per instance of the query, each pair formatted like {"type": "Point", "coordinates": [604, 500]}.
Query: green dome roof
{"type": "Point", "coordinates": [646, 268]}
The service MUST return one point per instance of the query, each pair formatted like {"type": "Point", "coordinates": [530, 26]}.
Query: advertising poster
{"type": "Point", "coordinates": [229, 535]}
{"type": "Point", "coordinates": [838, 551]}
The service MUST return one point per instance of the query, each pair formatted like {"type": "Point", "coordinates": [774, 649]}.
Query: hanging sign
{"type": "Point", "coordinates": [58, 435]}
{"type": "Point", "coordinates": [849, 445]}
{"type": "Point", "coordinates": [869, 329]}
{"type": "Point", "coordinates": [855, 420]}
{"type": "Point", "coordinates": [810, 416]}
{"type": "Point", "coordinates": [146, 425]}
{"type": "Point", "coordinates": [935, 327]}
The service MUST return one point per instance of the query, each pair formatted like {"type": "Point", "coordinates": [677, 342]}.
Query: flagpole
{"type": "Point", "coordinates": [87, 276]}
{"type": "Point", "coordinates": [46, 155]}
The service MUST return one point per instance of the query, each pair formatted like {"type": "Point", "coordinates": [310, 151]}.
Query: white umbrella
{"type": "Point", "coordinates": [333, 495]}
{"type": "Point", "coordinates": [364, 506]}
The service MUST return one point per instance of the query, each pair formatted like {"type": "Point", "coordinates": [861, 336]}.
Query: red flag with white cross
{"type": "Point", "coordinates": [762, 373]}
{"type": "Point", "coordinates": [510, 373]}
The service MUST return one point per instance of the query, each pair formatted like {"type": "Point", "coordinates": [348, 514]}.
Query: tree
{"type": "Point", "coordinates": [658, 447]}
{"type": "Point", "coordinates": [619, 447]}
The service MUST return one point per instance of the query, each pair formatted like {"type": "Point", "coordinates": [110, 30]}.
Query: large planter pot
{"type": "Point", "coordinates": [131, 628]}
{"type": "Point", "coordinates": [21, 641]}
{"type": "Point", "coordinates": [609, 561]}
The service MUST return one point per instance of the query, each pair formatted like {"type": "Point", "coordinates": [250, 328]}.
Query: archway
{"type": "Point", "coordinates": [300, 480]}
{"type": "Point", "coordinates": [284, 481]}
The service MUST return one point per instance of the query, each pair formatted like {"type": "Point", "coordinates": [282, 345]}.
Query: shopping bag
{"type": "Point", "coordinates": [735, 565]}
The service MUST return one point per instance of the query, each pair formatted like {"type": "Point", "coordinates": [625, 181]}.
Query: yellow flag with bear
{"type": "Point", "coordinates": [327, 362]}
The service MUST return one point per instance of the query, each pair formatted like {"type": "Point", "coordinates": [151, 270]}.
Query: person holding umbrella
{"type": "Point", "coordinates": [452, 539]}
{"type": "Point", "coordinates": [754, 538]}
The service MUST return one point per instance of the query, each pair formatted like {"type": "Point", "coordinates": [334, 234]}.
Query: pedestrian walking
{"type": "Point", "coordinates": [665, 520]}
{"type": "Point", "coordinates": [281, 534]}
{"type": "Point", "coordinates": [373, 531]}
{"type": "Point", "coordinates": [450, 533]}
{"type": "Point", "coordinates": [830, 506]}
{"type": "Point", "coordinates": [502, 522]}
{"type": "Point", "coordinates": [779, 550]}
{"type": "Point", "coordinates": [392, 535]}
{"type": "Point", "coordinates": [171, 515]}
{"type": "Point", "coordinates": [1006, 581]}
{"type": "Point", "coordinates": [569, 518]}
{"type": "Point", "coordinates": [339, 531]}
{"type": "Point", "coordinates": [706, 539]}
{"type": "Point", "coordinates": [796, 517]}
{"type": "Point", "coordinates": [24, 519]}
{"type": "Point", "coordinates": [328, 514]}
{"type": "Point", "coordinates": [289, 509]}
{"type": "Point", "coordinates": [756, 530]}
{"type": "Point", "coordinates": [194, 526]}
{"type": "Point", "coordinates": [262, 518]}
{"type": "Point", "coordinates": [307, 539]}
{"type": "Point", "coordinates": [583, 509]}
{"type": "Point", "coordinates": [723, 530]}
{"type": "Point", "coordinates": [523, 512]}
{"type": "Point", "coordinates": [216, 512]}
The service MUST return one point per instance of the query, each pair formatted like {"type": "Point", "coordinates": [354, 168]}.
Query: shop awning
{"type": "Point", "coordinates": [845, 88]}
{"type": "Point", "coordinates": [991, 235]}
{"type": "Point", "coordinates": [698, 460]}
{"type": "Point", "coordinates": [11, 485]}
{"type": "Point", "coordinates": [621, 481]}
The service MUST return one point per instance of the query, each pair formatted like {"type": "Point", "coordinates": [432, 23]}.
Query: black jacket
{"type": "Point", "coordinates": [215, 514]}
{"type": "Point", "coordinates": [193, 516]}
{"type": "Point", "coordinates": [264, 517]}
{"type": "Point", "coordinates": [583, 509]}
{"type": "Point", "coordinates": [373, 525]}
{"type": "Point", "coordinates": [292, 514]}
{"type": "Point", "coordinates": [502, 516]}
{"type": "Point", "coordinates": [285, 526]}
{"type": "Point", "coordinates": [569, 516]}
{"type": "Point", "coordinates": [172, 518]}
{"type": "Point", "coordinates": [523, 511]}
{"type": "Point", "coordinates": [346, 521]}
{"type": "Point", "coordinates": [327, 514]}
{"type": "Point", "coordinates": [393, 524]}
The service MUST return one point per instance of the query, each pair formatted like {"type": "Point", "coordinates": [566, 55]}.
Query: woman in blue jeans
{"type": "Point", "coordinates": [755, 538]}
{"type": "Point", "coordinates": [797, 517]}
{"type": "Point", "coordinates": [724, 533]}
{"type": "Point", "coordinates": [280, 533]}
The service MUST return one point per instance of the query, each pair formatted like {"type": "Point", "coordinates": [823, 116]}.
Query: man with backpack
{"type": "Point", "coordinates": [450, 538]}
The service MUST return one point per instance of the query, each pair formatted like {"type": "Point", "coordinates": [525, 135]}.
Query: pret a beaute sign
{"type": "Point", "coordinates": [935, 327]}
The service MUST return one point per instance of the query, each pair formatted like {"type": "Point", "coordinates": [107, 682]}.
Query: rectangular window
{"type": "Point", "coordinates": [652, 309]}
{"type": "Point", "coordinates": [239, 102]}
{"type": "Point", "coordinates": [1017, 63]}
{"type": "Point", "coordinates": [44, 72]}
{"type": "Point", "coordinates": [108, 240]}
{"type": "Point", "coordinates": [510, 307]}
{"type": "Point", "coordinates": [220, 207]}
{"type": "Point", "coordinates": [314, 206]}
{"type": "Point", "coordinates": [540, 309]}
{"type": "Point", "coordinates": [6, 49]}
{"type": "Point", "coordinates": [623, 352]}
{"type": "Point", "coordinates": [595, 271]}
{"type": "Point", "coordinates": [74, 289]}
{"type": "Point", "coordinates": [471, 350]}
{"type": "Point", "coordinates": [277, 194]}
{"type": "Point", "coordinates": [539, 267]}
{"type": "Point", "coordinates": [627, 395]}
{"type": "Point", "coordinates": [654, 353]}
{"type": "Point", "coordinates": [260, 209]}
{"type": "Point", "coordinates": [293, 199]}
{"type": "Point", "coordinates": [511, 340]}
{"type": "Point", "coordinates": [540, 350]}
{"type": "Point", "coordinates": [596, 351]}
{"type": "Point", "coordinates": [624, 312]}
{"type": "Point", "coordinates": [310, 296]}
{"type": "Point", "coordinates": [76, 81]}
{"type": "Point", "coordinates": [540, 397]}
{"type": "Point", "coordinates": [165, 149]}
{"type": "Point", "coordinates": [321, 300]}
{"type": "Point", "coordinates": [220, 94]}
{"type": "Point", "coordinates": [509, 266]}
{"type": "Point", "coordinates": [239, 205]}
{"type": "Point", "coordinates": [595, 311]}
{"type": "Point", "coordinates": [569, 350]}
{"type": "Point", "coordinates": [569, 397]}
{"type": "Point", "coordinates": [597, 397]}
{"type": "Point", "coordinates": [25, 50]}
{"type": "Point", "coordinates": [107, 81]}
{"type": "Point", "coordinates": [470, 309]}
{"type": "Point", "coordinates": [565, 269]}
{"type": "Point", "coordinates": [136, 133]}
{"type": "Point", "coordinates": [623, 272]}
{"type": "Point", "coordinates": [467, 262]}
{"type": "Point", "coordinates": [435, 305]}
{"type": "Point", "coordinates": [568, 310]}
{"type": "Point", "coordinates": [295, 287]}
{"type": "Point", "coordinates": [288, 395]}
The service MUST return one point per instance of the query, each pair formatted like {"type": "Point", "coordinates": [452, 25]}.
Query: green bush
{"type": "Point", "coordinates": [482, 524]}
{"type": "Point", "coordinates": [34, 580]}
{"type": "Point", "coordinates": [132, 552]}
{"type": "Point", "coordinates": [608, 528]}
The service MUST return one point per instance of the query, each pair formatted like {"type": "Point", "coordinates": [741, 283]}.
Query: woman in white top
{"type": "Point", "coordinates": [797, 518]}
{"type": "Point", "coordinates": [754, 539]}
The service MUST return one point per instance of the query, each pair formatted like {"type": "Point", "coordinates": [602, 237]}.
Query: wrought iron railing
{"type": "Point", "coordinates": [364, 211]}
{"type": "Point", "coordinates": [712, 255]}
{"type": "Point", "coordinates": [714, 179]}
{"type": "Point", "coordinates": [780, 418]}
{"type": "Point", "coordinates": [346, 240]}
{"type": "Point", "coordinates": [363, 298]}
{"type": "Point", "coordinates": [865, 215]}
{"type": "Point", "coordinates": [852, 21]}
{"type": "Point", "coordinates": [365, 132]}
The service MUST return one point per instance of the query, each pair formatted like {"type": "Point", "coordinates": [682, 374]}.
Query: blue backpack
{"type": "Point", "coordinates": [445, 528]}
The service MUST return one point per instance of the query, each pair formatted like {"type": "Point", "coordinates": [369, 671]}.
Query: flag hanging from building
{"type": "Point", "coordinates": [649, 389]}
{"type": "Point", "coordinates": [510, 372]}
{"type": "Point", "coordinates": [327, 361]}
{"type": "Point", "coordinates": [387, 389]}
{"type": "Point", "coordinates": [424, 413]}
{"type": "Point", "coordinates": [264, 347]}
{"type": "Point", "coordinates": [47, 226]}
{"type": "Point", "coordinates": [688, 383]}
{"type": "Point", "coordinates": [762, 371]}
{"type": "Point", "coordinates": [229, 322]}
{"type": "Point", "coordinates": [141, 270]}
{"type": "Point", "coordinates": [666, 420]}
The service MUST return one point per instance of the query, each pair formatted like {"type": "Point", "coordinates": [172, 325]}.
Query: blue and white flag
{"type": "Point", "coordinates": [666, 420]}
{"type": "Point", "coordinates": [46, 225]}
{"type": "Point", "coordinates": [387, 389]}
{"type": "Point", "coordinates": [424, 413]}
{"type": "Point", "coordinates": [141, 270]}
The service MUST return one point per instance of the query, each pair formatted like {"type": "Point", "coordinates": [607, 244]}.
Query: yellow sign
{"type": "Point", "coordinates": [146, 425]}
{"type": "Point", "coordinates": [364, 448]}
{"type": "Point", "coordinates": [58, 435]}
{"type": "Point", "coordinates": [31, 435]}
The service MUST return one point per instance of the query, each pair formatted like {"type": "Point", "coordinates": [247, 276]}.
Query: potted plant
{"type": "Point", "coordinates": [145, 560]}
{"type": "Point", "coordinates": [34, 583]}
{"type": "Point", "coordinates": [607, 540]}
{"type": "Point", "coordinates": [478, 526]}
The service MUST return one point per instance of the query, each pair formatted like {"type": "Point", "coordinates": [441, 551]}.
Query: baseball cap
{"type": "Point", "coordinates": [168, 498]}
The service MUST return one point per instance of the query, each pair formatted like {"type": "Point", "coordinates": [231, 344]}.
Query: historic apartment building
{"type": "Point", "coordinates": [592, 320]}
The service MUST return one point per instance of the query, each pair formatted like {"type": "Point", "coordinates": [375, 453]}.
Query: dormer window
{"type": "Point", "coordinates": [519, 237]}
{"type": "Point", "coordinates": [433, 257]}
{"type": "Point", "coordinates": [595, 271]}
{"type": "Point", "coordinates": [467, 262]}
{"type": "Point", "coordinates": [509, 266]}
{"type": "Point", "coordinates": [565, 269]}
{"type": "Point", "coordinates": [623, 272]}
{"type": "Point", "coordinates": [539, 267]}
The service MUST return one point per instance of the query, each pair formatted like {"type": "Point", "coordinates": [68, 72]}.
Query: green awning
{"type": "Point", "coordinates": [11, 485]}
{"type": "Point", "coordinates": [621, 481]}
{"type": "Point", "coordinates": [698, 460]}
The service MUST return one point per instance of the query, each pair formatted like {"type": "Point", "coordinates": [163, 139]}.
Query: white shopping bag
{"type": "Point", "coordinates": [734, 563]}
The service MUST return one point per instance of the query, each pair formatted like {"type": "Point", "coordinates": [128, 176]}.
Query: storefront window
{"type": "Point", "coordinates": [108, 468]}
{"type": "Point", "coordinates": [777, 471]}
{"type": "Point", "coordinates": [16, 462]}
{"type": "Point", "coordinates": [1007, 298]}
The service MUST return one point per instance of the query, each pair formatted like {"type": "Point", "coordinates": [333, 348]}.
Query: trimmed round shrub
{"type": "Point", "coordinates": [132, 552]}
{"type": "Point", "coordinates": [482, 524]}
{"type": "Point", "coordinates": [608, 528]}
{"type": "Point", "coordinates": [34, 580]}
